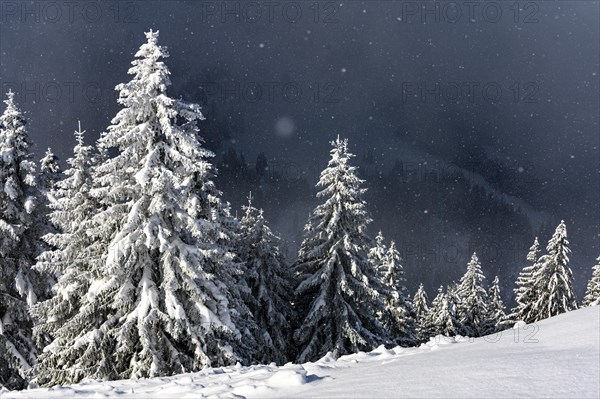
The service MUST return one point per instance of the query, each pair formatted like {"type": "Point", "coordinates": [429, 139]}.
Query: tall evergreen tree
{"type": "Point", "coordinates": [497, 309]}
{"type": "Point", "coordinates": [337, 295]}
{"type": "Point", "coordinates": [472, 297]}
{"type": "Point", "coordinates": [20, 285]}
{"type": "Point", "coordinates": [398, 316]}
{"type": "Point", "coordinates": [270, 285]}
{"type": "Point", "coordinates": [161, 304]}
{"type": "Point", "coordinates": [553, 281]}
{"type": "Point", "coordinates": [421, 309]}
{"type": "Point", "coordinates": [592, 293]}
{"type": "Point", "coordinates": [525, 295]}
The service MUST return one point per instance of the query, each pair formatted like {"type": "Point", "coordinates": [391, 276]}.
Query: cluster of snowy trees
{"type": "Point", "coordinates": [466, 308]}
{"type": "Point", "coordinates": [130, 264]}
{"type": "Point", "coordinates": [545, 285]}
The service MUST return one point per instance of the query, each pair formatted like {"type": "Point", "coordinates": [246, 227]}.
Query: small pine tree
{"type": "Point", "coordinates": [497, 309]}
{"type": "Point", "coordinates": [525, 296]}
{"type": "Point", "coordinates": [336, 295]}
{"type": "Point", "coordinates": [454, 300]}
{"type": "Point", "coordinates": [421, 309]}
{"type": "Point", "coordinates": [473, 300]}
{"type": "Point", "coordinates": [49, 175]}
{"type": "Point", "coordinates": [50, 172]}
{"type": "Point", "coordinates": [447, 317]}
{"type": "Point", "coordinates": [592, 293]}
{"type": "Point", "coordinates": [553, 281]}
{"type": "Point", "coordinates": [442, 317]}
{"type": "Point", "coordinates": [398, 316]}
{"type": "Point", "coordinates": [377, 255]}
{"type": "Point", "coordinates": [431, 328]}
{"type": "Point", "coordinates": [270, 285]}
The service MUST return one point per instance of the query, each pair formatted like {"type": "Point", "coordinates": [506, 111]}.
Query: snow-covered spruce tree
{"type": "Point", "coordinates": [50, 172]}
{"type": "Point", "coordinates": [20, 200]}
{"type": "Point", "coordinates": [453, 299]}
{"type": "Point", "coordinates": [20, 285]}
{"type": "Point", "coordinates": [398, 316]}
{"type": "Point", "coordinates": [447, 316]}
{"type": "Point", "coordinates": [421, 309]}
{"type": "Point", "coordinates": [525, 295]}
{"type": "Point", "coordinates": [473, 310]}
{"type": "Point", "coordinates": [442, 318]}
{"type": "Point", "coordinates": [73, 257]}
{"type": "Point", "coordinates": [336, 295]}
{"type": "Point", "coordinates": [496, 309]}
{"type": "Point", "coordinates": [160, 305]}
{"type": "Point", "coordinates": [377, 255]}
{"type": "Point", "coordinates": [592, 293]}
{"type": "Point", "coordinates": [553, 280]}
{"type": "Point", "coordinates": [430, 328]}
{"type": "Point", "coordinates": [270, 285]}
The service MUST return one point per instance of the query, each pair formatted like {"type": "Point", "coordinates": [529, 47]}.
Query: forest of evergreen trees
{"type": "Point", "coordinates": [130, 263]}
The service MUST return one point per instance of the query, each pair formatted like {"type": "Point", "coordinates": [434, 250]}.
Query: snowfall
{"type": "Point", "coordinates": [558, 357]}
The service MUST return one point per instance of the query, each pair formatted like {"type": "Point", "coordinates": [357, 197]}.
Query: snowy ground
{"type": "Point", "coordinates": [558, 357]}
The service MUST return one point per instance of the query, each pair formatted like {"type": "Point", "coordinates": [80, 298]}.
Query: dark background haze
{"type": "Point", "coordinates": [505, 159]}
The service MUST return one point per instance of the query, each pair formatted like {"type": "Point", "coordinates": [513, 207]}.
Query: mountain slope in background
{"type": "Point", "coordinates": [558, 357]}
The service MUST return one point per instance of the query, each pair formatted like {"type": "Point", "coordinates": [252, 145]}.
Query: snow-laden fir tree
{"type": "Point", "coordinates": [442, 317]}
{"type": "Point", "coordinates": [525, 295]}
{"type": "Point", "coordinates": [592, 293]}
{"type": "Point", "coordinates": [497, 310]}
{"type": "Point", "coordinates": [20, 285]}
{"type": "Point", "coordinates": [473, 310]}
{"type": "Point", "coordinates": [336, 295]}
{"type": "Point", "coordinates": [73, 257]}
{"type": "Point", "coordinates": [453, 322]}
{"type": "Point", "coordinates": [553, 280]}
{"type": "Point", "coordinates": [270, 285]}
{"type": "Point", "coordinates": [162, 304]}
{"type": "Point", "coordinates": [430, 328]}
{"type": "Point", "coordinates": [398, 316]}
{"type": "Point", "coordinates": [447, 317]}
{"type": "Point", "coordinates": [187, 230]}
{"type": "Point", "coordinates": [50, 172]}
{"type": "Point", "coordinates": [377, 254]}
{"type": "Point", "coordinates": [421, 309]}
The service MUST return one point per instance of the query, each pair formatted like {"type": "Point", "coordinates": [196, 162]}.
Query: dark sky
{"type": "Point", "coordinates": [457, 83]}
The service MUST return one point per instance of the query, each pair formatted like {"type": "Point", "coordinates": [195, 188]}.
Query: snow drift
{"type": "Point", "coordinates": [558, 357]}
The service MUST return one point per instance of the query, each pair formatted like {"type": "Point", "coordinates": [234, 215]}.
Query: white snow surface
{"type": "Point", "coordinates": [558, 357]}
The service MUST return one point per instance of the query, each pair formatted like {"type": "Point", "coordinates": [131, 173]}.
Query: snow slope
{"type": "Point", "coordinates": [558, 357]}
